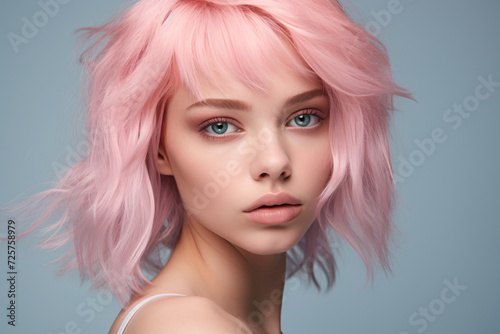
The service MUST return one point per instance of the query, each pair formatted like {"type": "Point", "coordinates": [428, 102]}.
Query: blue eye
{"type": "Point", "coordinates": [304, 120]}
{"type": "Point", "coordinates": [220, 128]}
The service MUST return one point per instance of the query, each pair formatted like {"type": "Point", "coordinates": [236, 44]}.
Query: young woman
{"type": "Point", "coordinates": [237, 134]}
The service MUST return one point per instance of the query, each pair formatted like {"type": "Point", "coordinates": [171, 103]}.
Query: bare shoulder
{"type": "Point", "coordinates": [189, 315]}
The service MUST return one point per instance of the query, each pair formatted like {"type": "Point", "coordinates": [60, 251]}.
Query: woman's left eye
{"type": "Point", "coordinates": [305, 120]}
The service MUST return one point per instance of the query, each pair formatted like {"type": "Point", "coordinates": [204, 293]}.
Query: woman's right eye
{"type": "Point", "coordinates": [220, 128]}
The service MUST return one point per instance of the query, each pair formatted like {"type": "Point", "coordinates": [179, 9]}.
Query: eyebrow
{"type": "Point", "coordinates": [243, 106]}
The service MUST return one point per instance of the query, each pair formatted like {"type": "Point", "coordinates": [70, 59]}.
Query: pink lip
{"type": "Point", "coordinates": [273, 209]}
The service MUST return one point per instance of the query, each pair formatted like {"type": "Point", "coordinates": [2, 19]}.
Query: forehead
{"type": "Point", "coordinates": [278, 87]}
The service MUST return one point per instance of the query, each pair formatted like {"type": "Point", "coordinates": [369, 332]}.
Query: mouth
{"type": "Point", "coordinates": [273, 200]}
{"type": "Point", "coordinates": [274, 215]}
{"type": "Point", "coordinates": [273, 209]}
{"type": "Point", "coordinates": [264, 207]}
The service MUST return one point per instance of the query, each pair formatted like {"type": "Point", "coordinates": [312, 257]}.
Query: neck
{"type": "Point", "coordinates": [249, 286]}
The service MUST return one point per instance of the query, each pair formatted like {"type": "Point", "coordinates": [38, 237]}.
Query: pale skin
{"type": "Point", "coordinates": [232, 268]}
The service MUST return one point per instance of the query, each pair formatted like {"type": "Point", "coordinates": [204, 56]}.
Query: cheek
{"type": "Point", "coordinates": [202, 173]}
{"type": "Point", "coordinates": [312, 164]}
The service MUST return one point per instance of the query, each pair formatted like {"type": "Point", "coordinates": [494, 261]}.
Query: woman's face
{"type": "Point", "coordinates": [249, 166]}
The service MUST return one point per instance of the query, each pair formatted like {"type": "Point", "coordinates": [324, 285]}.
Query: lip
{"type": "Point", "coordinates": [273, 209]}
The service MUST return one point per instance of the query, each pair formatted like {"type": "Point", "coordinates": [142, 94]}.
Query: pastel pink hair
{"type": "Point", "coordinates": [114, 204]}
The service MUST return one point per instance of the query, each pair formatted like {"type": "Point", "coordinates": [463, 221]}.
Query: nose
{"type": "Point", "coordinates": [271, 160]}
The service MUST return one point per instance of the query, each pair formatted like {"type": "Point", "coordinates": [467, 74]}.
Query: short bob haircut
{"type": "Point", "coordinates": [120, 212]}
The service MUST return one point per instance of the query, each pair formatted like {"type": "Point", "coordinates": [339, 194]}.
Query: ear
{"type": "Point", "coordinates": [164, 166]}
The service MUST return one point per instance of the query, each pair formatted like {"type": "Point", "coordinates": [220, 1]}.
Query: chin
{"type": "Point", "coordinates": [270, 246]}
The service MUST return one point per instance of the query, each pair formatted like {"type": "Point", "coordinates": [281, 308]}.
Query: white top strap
{"type": "Point", "coordinates": [138, 306]}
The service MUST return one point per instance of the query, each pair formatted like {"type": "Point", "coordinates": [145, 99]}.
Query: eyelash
{"type": "Point", "coordinates": [313, 112]}
{"type": "Point", "coordinates": [203, 126]}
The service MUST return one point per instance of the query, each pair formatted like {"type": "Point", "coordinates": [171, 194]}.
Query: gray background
{"type": "Point", "coordinates": [449, 204]}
